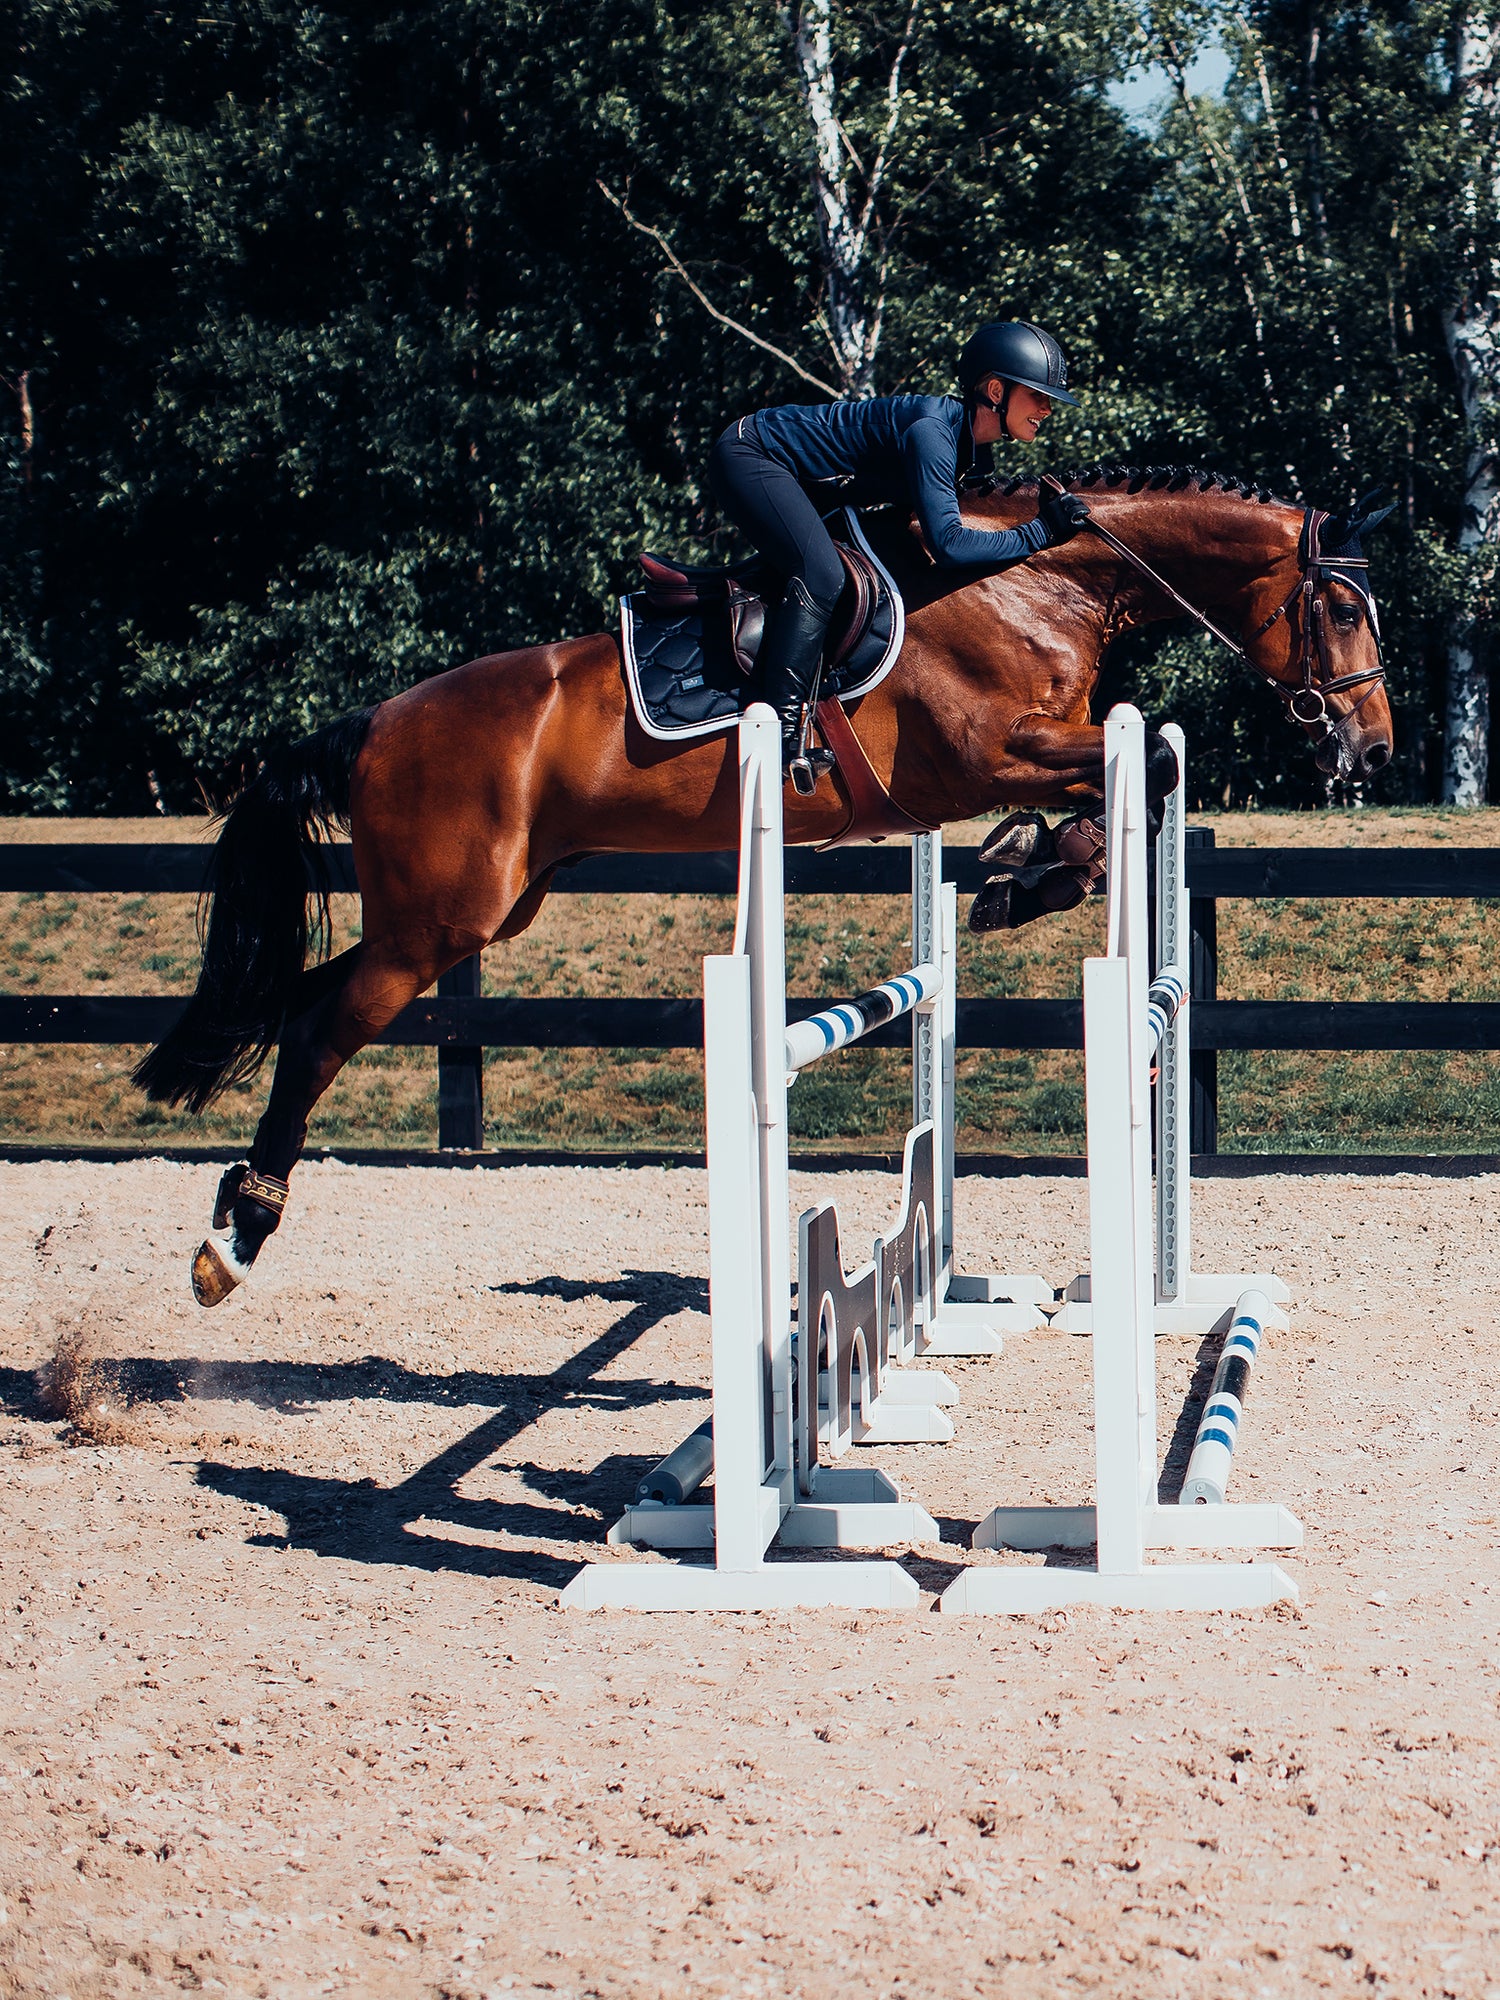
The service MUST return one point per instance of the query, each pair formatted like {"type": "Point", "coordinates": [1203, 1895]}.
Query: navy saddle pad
{"type": "Point", "coordinates": [688, 640]}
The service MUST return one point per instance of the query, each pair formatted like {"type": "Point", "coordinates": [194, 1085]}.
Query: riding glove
{"type": "Point", "coordinates": [1062, 517]}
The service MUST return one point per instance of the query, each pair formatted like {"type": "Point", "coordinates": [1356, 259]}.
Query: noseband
{"type": "Point", "coordinates": [1308, 703]}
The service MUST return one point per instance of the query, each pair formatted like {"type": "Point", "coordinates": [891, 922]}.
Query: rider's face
{"type": "Point", "coordinates": [1026, 412]}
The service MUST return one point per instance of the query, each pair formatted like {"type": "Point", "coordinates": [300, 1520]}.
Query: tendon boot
{"type": "Point", "coordinates": [791, 659]}
{"type": "Point", "coordinates": [1080, 844]}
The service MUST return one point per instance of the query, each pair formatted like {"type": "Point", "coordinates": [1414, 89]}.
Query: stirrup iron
{"type": "Point", "coordinates": [807, 764]}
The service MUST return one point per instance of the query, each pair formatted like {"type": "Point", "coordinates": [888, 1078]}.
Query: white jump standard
{"type": "Point", "coordinates": [1129, 1021]}
{"type": "Point", "coordinates": [782, 1410]}
{"type": "Point", "coordinates": [1187, 1301]}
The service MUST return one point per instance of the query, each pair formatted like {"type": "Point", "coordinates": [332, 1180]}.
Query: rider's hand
{"type": "Point", "coordinates": [1062, 517]}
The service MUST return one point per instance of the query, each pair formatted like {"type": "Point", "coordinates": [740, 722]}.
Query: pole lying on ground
{"type": "Point", "coordinates": [1213, 1448]}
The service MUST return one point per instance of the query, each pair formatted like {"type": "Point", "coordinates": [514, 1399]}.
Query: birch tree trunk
{"type": "Point", "coordinates": [1472, 328]}
{"type": "Point", "coordinates": [853, 241]}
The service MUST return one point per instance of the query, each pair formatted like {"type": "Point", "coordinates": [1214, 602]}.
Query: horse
{"type": "Point", "coordinates": [466, 792]}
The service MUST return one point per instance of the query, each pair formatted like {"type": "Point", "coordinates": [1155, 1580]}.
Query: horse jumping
{"type": "Point", "coordinates": [464, 794]}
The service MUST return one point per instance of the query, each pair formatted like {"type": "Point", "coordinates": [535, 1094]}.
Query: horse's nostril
{"type": "Point", "coordinates": [1377, 756]}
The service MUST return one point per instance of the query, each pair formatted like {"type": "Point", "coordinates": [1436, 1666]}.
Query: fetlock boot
{"type": "Point", "coordinates": [790, 655]}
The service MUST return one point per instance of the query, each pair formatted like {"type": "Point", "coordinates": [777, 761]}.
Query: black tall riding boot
{"type": "Point", "coordinates": [790, 654]}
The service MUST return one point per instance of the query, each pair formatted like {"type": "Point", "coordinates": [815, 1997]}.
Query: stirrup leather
{"type": "Point", "coordinates": [806, 764]}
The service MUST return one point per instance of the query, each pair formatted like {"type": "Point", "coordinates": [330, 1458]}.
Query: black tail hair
{"type": "Point", "coordinates": [269, 864]}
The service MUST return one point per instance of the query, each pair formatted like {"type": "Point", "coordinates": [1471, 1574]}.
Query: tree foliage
{"type": "Point", "coordinates": [340, 344]}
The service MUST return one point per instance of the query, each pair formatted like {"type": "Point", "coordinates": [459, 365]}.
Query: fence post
{"type": "Point", "coordinates": [461, 1071]}
{"type": "Point", "coordinates": [1203, 976]}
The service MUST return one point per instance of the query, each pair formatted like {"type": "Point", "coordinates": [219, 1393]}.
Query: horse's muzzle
{"type": "Point", "coordinates": [1339, 753]}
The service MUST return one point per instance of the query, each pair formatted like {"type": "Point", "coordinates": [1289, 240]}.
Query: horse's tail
{"type": "Point", "coordinates": [268, 866]}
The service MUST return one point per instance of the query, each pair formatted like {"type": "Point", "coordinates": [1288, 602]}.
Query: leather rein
{"type": "Point", "coordinates": [1308, 703]}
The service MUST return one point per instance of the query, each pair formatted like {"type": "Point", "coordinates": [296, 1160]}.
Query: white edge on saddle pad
{"type": "Point", "coordinates": [854, 533]}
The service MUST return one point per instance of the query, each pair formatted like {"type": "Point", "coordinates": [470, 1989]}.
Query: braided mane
{"type": "Point", "coordinates": [1134, 479]}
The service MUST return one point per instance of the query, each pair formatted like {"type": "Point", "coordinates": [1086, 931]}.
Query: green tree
{"type": "Point", "coordinates": [339, 345]}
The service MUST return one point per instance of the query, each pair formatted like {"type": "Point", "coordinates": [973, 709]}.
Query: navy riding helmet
{"type": "Point", "coordinates": [1018, 352]}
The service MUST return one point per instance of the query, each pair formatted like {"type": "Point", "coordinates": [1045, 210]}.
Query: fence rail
{"type": "Point", "coordinates": [161, 868]}
{"type": "Point", "coordinates": [444, 1023]}
{"type": "Point", "coordinates": [460, 1024]}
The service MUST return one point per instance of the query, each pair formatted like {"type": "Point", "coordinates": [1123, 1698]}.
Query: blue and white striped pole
{"type": "Point", "coordinates": [837, 1026]}
{"type": "Point", "coordinates": [1213, 1449]}
{"type": "Point", "coordinates": [1164, 1000]}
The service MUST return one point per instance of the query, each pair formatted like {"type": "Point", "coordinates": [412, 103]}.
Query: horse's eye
{"type": "Point", "coordinates": [1346, 615]}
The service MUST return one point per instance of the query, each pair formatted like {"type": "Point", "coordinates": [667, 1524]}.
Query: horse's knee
{"type": "Point", "coordinates": [1162, 774]}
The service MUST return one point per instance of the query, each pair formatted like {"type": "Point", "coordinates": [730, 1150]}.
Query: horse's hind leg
{"type": "Point", "coordinates": [337, 1010]}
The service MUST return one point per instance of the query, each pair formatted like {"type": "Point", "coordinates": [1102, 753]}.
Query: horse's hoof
{"type": "Point", "coordinates": [1005, 904]}
{"type": "Point", "coordinates": [990, 909]}
{"type": "Point", "coordinates": [1022, 846]}
{"type": "Point", "coordinates": [215, 1272]}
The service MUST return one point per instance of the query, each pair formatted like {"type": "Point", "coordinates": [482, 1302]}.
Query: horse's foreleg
{"type": "Point", "coordinates": [1041, 870]}
{"type": "Point", "coordinates": [337, 1010]}
{"type": "Point", "coordinates": [1162, 772]}
{"type": "Point", "coordinates": [1049, 760]}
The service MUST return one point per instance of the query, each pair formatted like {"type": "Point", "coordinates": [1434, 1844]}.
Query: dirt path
{"type": "Point", "coordinates": [286, 1706]}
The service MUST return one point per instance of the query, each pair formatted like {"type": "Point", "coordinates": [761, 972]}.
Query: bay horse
{"type": "Point", "coordinates": [465, 793]}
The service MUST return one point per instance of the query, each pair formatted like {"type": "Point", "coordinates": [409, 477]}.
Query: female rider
{"type": "Point", "coordinates": [909, 449]}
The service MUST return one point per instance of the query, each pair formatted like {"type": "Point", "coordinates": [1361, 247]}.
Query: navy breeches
{"type": "Point", "coordinates": [769, 507]}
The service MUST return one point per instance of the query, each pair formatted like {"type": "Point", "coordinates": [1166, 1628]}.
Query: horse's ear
{"type": "Point", "coordinates": [1369, 514]}
{"type": "Point", "coordinates": [1342, 530]}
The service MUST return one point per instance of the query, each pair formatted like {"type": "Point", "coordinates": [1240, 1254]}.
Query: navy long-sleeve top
{"type": "Point", "coordinates": [914, 449]}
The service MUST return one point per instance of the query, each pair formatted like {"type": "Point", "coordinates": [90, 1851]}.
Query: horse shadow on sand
{"type": "Point", "coordinates": [361, 1521]}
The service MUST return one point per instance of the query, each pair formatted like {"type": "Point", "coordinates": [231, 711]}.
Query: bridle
{"type": "Point", "coordinates": [1307, 703]}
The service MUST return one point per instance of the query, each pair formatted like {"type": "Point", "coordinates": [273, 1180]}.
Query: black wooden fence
{"type": "Point", "coordinates": [460, 1024]}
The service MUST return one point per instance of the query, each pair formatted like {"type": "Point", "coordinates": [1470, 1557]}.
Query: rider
{"type": "Point", "coordinates": [914, 450]}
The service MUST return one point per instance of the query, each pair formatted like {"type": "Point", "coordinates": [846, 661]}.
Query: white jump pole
{"type": "Point", "coordinates": [1208, 1471]}
{"type": "Point", "coordinates": [1127, 1023]}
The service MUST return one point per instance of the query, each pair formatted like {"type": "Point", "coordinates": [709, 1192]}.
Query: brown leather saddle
{"type": "Point", "coordinates": [742, 590]}
{"type": "Point", "coordinates": [691, 637]}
